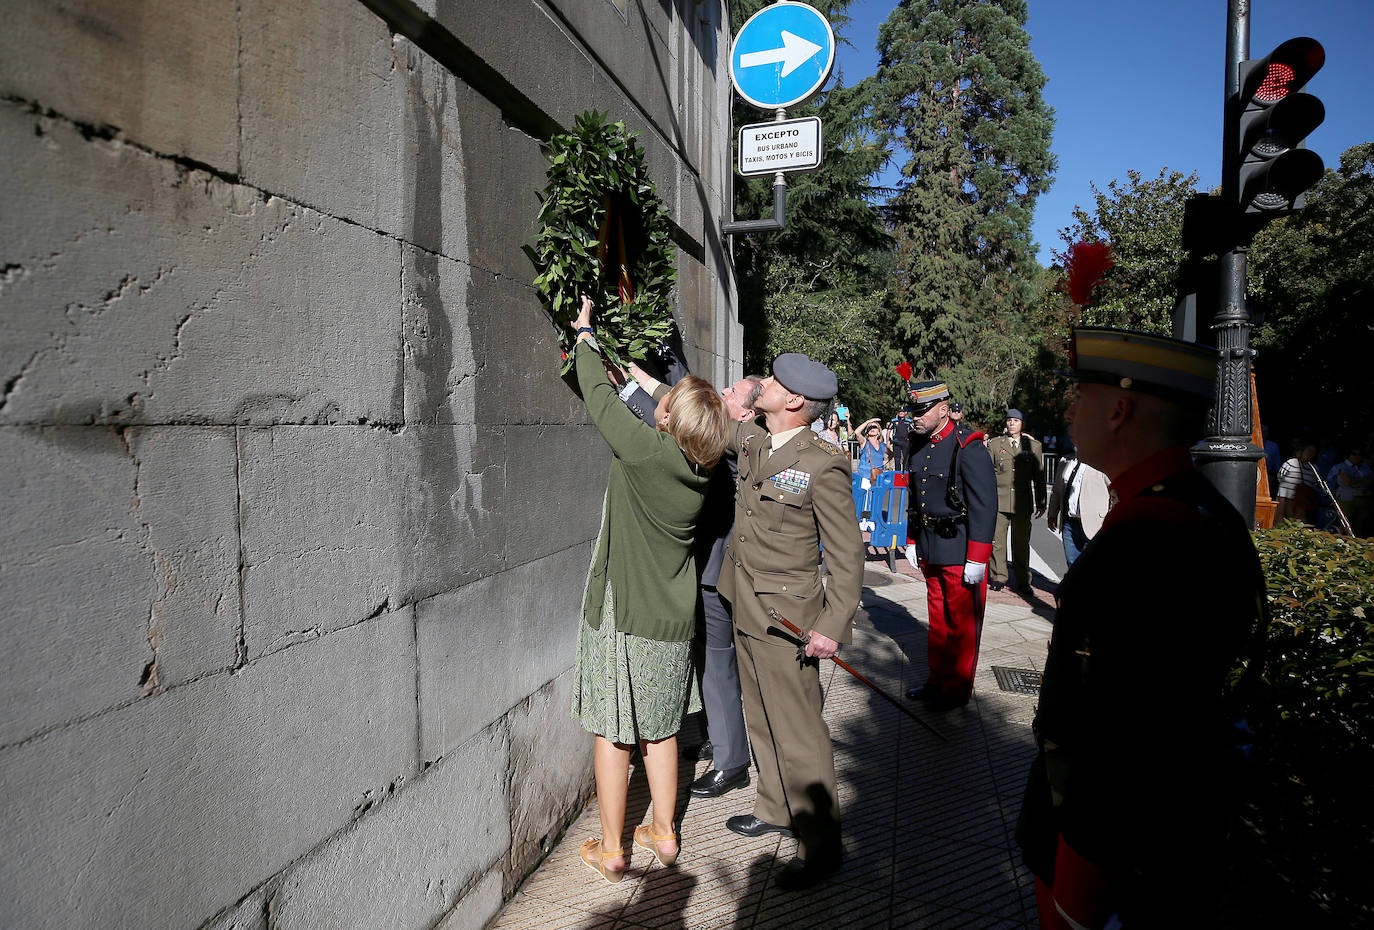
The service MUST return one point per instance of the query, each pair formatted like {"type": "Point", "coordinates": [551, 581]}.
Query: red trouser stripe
{"type": "Point", "coordinates": [956, 626]}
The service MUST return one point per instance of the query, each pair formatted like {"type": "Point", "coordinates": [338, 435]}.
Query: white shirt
{"type": "Point", "coordinates": [1075, 486]}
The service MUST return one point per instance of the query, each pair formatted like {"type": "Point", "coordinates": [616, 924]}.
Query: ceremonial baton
{"type": "Point", "coordinates": [772, 612]}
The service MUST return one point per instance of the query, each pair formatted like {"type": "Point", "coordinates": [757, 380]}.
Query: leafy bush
{"type": "Point", "coordinates": [600, 198]}
{"type": "Point", "coordinates": [1311, 803]}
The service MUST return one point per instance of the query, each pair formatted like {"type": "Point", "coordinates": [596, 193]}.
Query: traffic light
{"type": "Point", "coordinates": [1271, 119]}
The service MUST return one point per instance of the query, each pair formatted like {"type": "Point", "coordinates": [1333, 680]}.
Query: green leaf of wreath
{"type": "Point", "coordinates": [596, 163]}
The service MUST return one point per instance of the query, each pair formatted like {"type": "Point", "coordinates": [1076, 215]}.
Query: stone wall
{"type": "Point", "coordinates": [296, 510]}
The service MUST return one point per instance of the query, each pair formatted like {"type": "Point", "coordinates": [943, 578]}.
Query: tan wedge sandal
{"type": "Point", "coordinates": [646, 837]}
{"type": "Point", "coordinates": [595, 857]}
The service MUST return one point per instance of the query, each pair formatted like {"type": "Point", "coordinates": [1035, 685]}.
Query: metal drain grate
{"type": "Point", "coordinates": [1017, 680]}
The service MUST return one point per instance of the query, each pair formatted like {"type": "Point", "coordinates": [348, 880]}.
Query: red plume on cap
{"type": "Point", "coordinates": [1086, 263]}
{"type": "Point", "coordinates": [904, 371]}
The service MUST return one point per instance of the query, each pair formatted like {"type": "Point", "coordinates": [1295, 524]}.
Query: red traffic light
{"type": "Point", "coordinates": [1286, 69]}
{"type": "Point", "coordinates": [1267, 122]}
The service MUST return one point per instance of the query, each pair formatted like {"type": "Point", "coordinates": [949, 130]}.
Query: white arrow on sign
{"type": "Point", "coordinates": [794, 53]}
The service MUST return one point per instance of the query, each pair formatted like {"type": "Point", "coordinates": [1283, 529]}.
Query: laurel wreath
{"type": "Point", "coordinates": [602, 223]}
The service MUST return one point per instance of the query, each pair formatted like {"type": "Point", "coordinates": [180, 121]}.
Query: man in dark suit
{"type": "Point", "coordinates": [720, 688]}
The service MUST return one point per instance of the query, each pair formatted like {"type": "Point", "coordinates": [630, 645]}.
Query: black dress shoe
{"type": "Point", "coordinates": [705, 752]}
{"type": "Point", "coordinates": [718, 781]}
{"type": "Point", "coordinates": [749, 825]}
{"type": "Point", "coordinates": [801, 874]}
{"type": "Point", "coordinates": [922, 693]}
{"type": "Point", "coordinates": [995, 586]}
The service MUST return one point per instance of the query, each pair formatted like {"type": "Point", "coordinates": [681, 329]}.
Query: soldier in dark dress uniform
{"type": "Point", "coordinates": [951, 514]}
{"type": "Point", "coordinates": [1124, 814]}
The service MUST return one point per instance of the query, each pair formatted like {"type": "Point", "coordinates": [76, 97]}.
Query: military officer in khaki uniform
{"type": "Point", "coordinates": [1017, 460]}
{"type": "Point", "coordinates": [793, 496]}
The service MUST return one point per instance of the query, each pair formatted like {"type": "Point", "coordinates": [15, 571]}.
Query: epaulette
{"type": "Point", "coordinates": [827, 447]}
{"type": "Point", "coordinates": [965, 440]}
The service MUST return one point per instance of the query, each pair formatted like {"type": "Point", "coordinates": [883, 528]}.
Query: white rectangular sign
{"type": "Point", "coordinates": [788, 145]}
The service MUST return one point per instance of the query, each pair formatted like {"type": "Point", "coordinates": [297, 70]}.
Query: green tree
{"type": "Point", "coordinates": [958, 98]}
{"type": "Point", "coordinates": [840, 323]}
{"type": "Point", "coordinates": [1313, 273]}
{"type": "Point", "coordinates": [1143, 221]}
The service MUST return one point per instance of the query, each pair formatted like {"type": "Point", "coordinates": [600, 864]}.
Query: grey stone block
{"type": "Point", "coordinates": [250, 913]}
{"type": "Point", "coordinates": [78, 580]}
{"type": "Point", "coordinates": [551, 772]}
{"type": "Point", "coordinates": [122, 550]}
{"type": "Point", "coordinates": [162, 813]}
{"type": "Point", "coordinates": [442, 360]}
{"type": "Point", "coordinates": [486, 646]}
{"type": "Point", "coordinates": [456, 507]}
{"type": "Point", "coordinates": [507, 171]}
{"type": "Point", "coordinates": [436, 171]}
{"type": "Point", "coordinates": [404, 864]}
{"type": "Point", "coordinates": [322, 510]}
{"type": "Point", "coordinates": [341, 522]}
{"type": "Point", "coordinates": [518, 381]}
{"type": "Point", "coordinates": [556, 482]}
{"type": "Point", "coordinates": [531, 48]}
{"type": "Point", "coordinates": [476, 908]}
{"type": "Point", "coordinates": [142, 292]}
{"type": "Point", "coordinates": [161, 72]}
{"type": "Point", "coordinates": [323, 108]}
{"type": "Point", "coordinates": [187, 511]}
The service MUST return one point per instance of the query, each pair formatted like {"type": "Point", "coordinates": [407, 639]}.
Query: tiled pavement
{"type": "Point", "coordinates": [927, 824]}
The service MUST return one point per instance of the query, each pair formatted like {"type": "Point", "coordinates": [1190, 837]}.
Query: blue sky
{"type": "Point", "coordinates": [1140, 84]}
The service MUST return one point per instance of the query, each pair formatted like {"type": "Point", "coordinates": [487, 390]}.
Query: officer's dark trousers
{"type": "Point", "coordinates": [720, 689]}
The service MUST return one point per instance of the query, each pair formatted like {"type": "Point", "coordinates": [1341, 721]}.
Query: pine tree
{"type": "Point", "coordinates": [958, 100]}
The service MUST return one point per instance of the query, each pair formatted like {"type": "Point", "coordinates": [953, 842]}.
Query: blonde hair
{"type": "Point", "coordinates": [697, 420]}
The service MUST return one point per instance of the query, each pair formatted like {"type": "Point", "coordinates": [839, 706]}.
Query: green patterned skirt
{"type": "Point", "coordinates": [630, 688]}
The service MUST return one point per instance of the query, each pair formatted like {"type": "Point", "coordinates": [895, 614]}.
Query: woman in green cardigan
{"type": "Point", "coordinates": [634, 665]}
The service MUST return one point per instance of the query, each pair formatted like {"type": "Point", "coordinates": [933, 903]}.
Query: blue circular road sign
{"type": "Point", "coordinates": [782, 55]}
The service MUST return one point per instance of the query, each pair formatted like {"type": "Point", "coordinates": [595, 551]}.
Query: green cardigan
{"type": "Point", "coordinates": [649, 522]}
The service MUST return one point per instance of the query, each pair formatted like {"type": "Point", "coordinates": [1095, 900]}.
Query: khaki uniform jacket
{"type": "Point", "coordinates": [787, 505]}
{"type": "Point", "coordinates": [1020, 477]}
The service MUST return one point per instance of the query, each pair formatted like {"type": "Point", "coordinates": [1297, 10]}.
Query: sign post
{"type": "Point", "coordinates": [781, 57]}
{"type": "Point", "coordinates": [785, 145]}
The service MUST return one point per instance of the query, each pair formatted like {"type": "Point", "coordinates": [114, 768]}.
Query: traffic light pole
{"type": "Point", "coordinates": [1226, 456]}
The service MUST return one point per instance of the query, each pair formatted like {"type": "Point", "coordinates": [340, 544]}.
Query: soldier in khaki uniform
{"type": "Point", "coordinates": [1017, 460]}
{"type": "Point", "coordinates": [793, 496]}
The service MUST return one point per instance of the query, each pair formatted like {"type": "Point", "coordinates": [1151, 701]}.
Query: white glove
{"type": "Point", "coordinates": [974, 572]}
{"type": "Point", "coordinates": [911, 556]}
{"type": "Point", "coordinates": [865, 484]}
